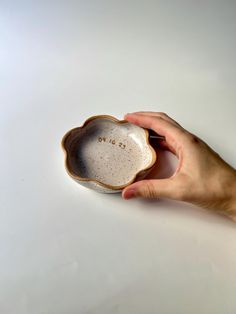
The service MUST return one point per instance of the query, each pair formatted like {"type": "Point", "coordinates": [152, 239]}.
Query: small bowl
{"type": "Point", "coordinates": [107, 154]}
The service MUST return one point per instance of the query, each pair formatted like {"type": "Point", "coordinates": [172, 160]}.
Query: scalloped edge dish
{"type": "Point", "coordinates": [93, 183]}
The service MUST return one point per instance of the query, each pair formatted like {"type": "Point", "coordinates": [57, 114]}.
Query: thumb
{"type": "Point", "coordinates": [150, 189]}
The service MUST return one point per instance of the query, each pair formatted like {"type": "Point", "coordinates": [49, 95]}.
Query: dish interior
{"type": "Point", "coordinates": [108, 152]}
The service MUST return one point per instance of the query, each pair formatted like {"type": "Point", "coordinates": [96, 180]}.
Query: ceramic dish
{"type": "Point", "coordinates": [107, 154]}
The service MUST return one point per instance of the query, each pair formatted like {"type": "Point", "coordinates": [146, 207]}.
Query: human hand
{"type": "Point", "coordinates": [202, 177]}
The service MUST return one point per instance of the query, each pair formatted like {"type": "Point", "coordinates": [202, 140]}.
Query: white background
{"type": "Point", "coordinates": [68, 250]}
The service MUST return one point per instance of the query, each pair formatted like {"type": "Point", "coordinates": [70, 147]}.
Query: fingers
{"type": "Point", "coordinates": [150, 189]}
{"type": "Point", "coordinates": [156, 123]}
{"type": "Point", "coordinates": [163, 115]}
{"type": "Point", "coordinates": [171, 131]}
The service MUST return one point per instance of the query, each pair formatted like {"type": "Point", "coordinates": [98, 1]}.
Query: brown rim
{"type": "Point", "coordinates": [112, 187]}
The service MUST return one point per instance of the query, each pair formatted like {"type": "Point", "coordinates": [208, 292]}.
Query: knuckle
{"type": "Point", "coordinates": [186, 136]}
{"type": "Point", "coordinates": [193, 139]}
{"type": "Point", "coordinates": [159, 118]}
{"type": "Point", "coordinates": [163, 114]}
{"type": "Point", "coordinates": [147, 190]}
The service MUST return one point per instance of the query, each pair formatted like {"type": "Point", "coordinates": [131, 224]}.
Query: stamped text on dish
{"type": "Point", "coordinates": [112, 141]}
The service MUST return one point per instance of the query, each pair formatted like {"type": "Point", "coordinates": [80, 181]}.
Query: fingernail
{"type": "Point", "coordinates": [127, 194]}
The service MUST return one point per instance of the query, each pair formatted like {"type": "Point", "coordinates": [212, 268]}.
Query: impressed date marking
{"type": "Point", "coordinates": [111, 141]}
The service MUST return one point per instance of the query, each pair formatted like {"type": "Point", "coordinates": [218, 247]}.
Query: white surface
{"type": "Point", "coordinates": [68, 250]}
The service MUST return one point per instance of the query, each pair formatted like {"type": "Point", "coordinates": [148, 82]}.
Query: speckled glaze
{"type": "Point", "coordinates": [106, 154]}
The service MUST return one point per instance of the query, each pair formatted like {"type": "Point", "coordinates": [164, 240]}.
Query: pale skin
{"type": "Point", "coordinates": [202, 177]}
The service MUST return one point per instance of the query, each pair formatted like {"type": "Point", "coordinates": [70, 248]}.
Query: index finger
{"type": "Point", "coordinates": [172, 132]}
{"type": "Point", "coordinates": [156, 123]}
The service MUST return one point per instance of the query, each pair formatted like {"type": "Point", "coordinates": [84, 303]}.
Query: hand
{"type": "Point", "coordinates": [202, 177]}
